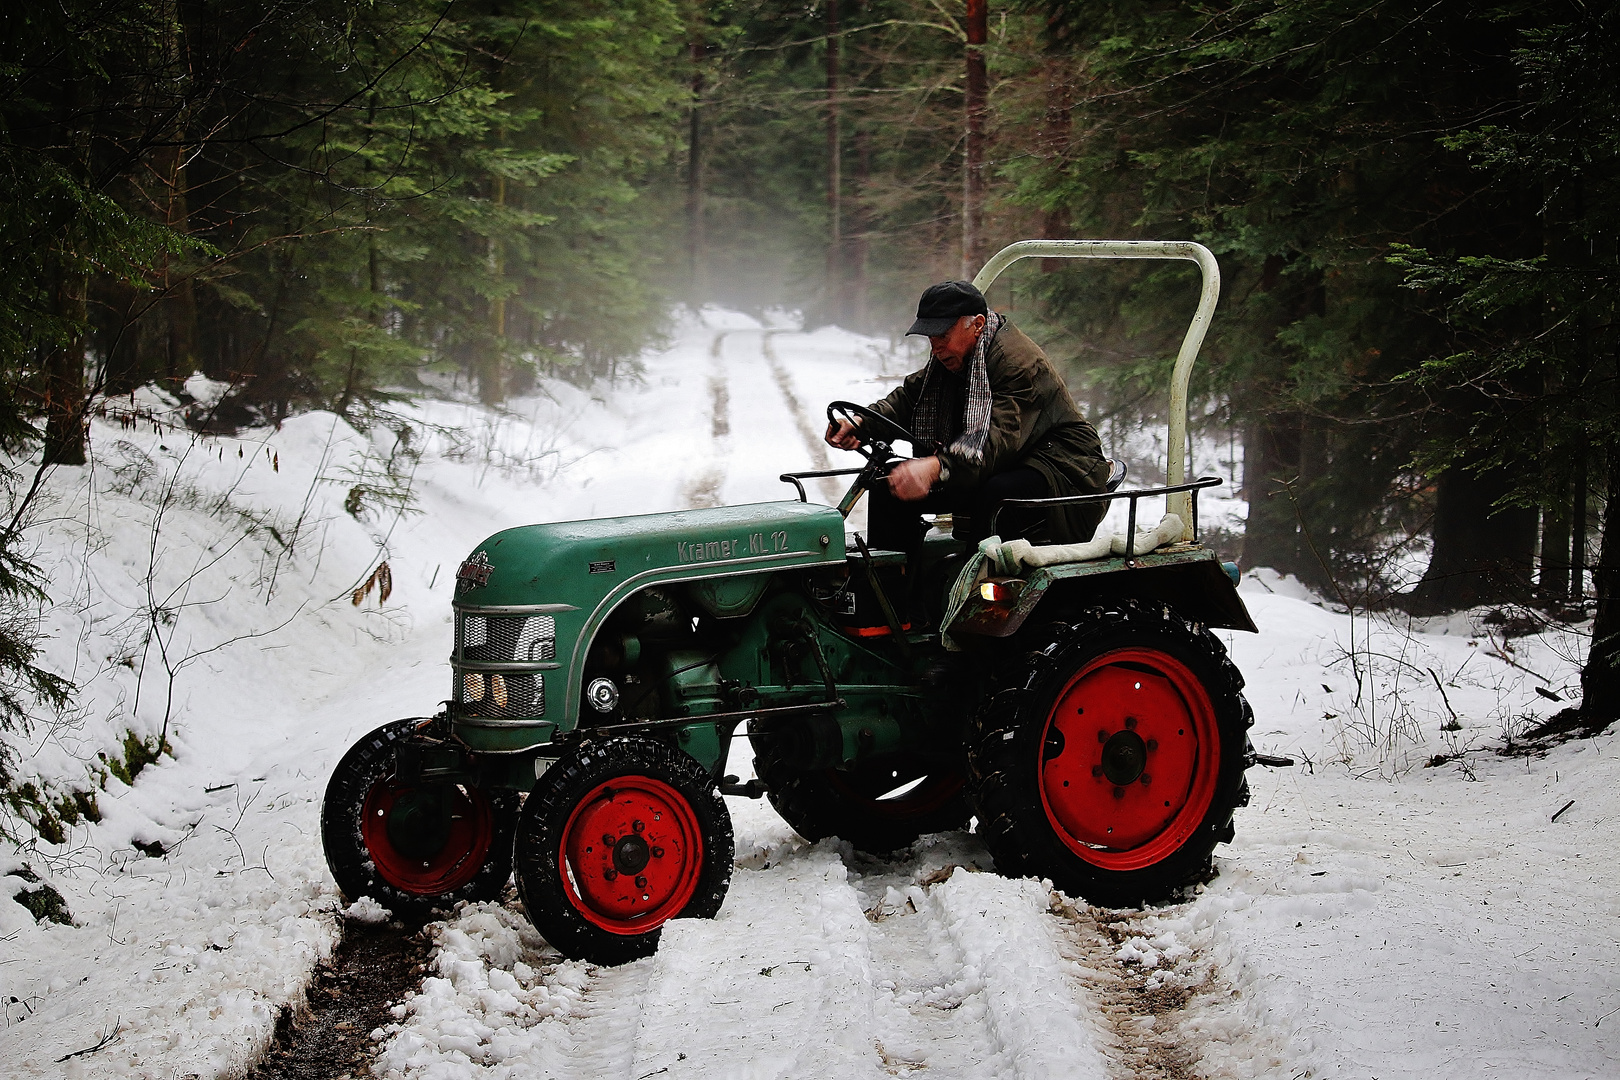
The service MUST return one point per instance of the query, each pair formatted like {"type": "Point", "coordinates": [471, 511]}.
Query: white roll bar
{"type": "Point", "coordinates": [1180, 503]}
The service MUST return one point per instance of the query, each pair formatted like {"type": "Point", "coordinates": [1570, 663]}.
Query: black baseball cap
{"type": "Point", "coordinates": [941, 305]}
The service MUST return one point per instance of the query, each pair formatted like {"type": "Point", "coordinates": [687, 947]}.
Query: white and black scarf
{"type": "Point", "coordinates": [963, 433]}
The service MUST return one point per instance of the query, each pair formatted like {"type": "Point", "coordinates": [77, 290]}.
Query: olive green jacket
{"type": "Point", "coordinates": [1033, 422]}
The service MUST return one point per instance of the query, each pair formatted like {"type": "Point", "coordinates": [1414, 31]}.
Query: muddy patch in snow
{"type": "Point", "coordinates": [375, 965]}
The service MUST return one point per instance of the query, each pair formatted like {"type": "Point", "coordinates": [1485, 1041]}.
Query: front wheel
{"type": "Point", "coordinates": [413, 848]}
{"type": "Point", "coordinates": [617, 839]}
{"type": "Point", "coordinates": [1112, 760]}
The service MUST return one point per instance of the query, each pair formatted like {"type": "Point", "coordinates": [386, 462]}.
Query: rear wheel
{"type": "Point", "coordinates": [1112, 760]}
{"type": "Point", "coordinates": [617, 839]}
{"type": "Point", "coordinates": [413, 848]}
{"type": "Point", "coordinates": [879, 805]}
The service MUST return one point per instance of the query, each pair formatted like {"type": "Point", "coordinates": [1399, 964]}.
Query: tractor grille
{"type": "Point", "coordinates": [500, 694]}
{"type": "Point", "coordinates": [505, 639]}
{"type": "Point", "coordinates": [494, 664]}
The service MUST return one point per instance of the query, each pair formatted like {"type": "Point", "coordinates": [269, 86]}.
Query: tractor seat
{"type": "Point", "coordinates": [1116, 475]}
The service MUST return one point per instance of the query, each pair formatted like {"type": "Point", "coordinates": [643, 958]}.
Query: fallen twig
{"type": "Point", "coordinates": [1438, 686]}
{"type": "Point", "coordinates": [1501, 654]}
{"type": "Point", "coordinates": [106, 1040]}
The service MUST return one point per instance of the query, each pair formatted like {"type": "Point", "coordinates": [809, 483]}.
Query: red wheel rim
{"type": "Point", "coordinates": [631, 854]}
{"type": "Point", "coordinates": [1129, 758]}
{"type": "Point", "coordinates": [426, 841]}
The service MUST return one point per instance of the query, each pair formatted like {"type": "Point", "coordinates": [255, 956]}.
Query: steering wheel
{"type": "Point", "coordinates": [872, 428]}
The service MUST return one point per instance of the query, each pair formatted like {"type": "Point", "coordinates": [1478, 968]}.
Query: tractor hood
{"type": "Point", "coordinates": [530, 600]}
{"type": "Point", "coordinates": [580, 563]}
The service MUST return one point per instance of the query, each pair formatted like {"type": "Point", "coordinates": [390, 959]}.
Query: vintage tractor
{"type": "Point", "coordinates": [1074, 701]}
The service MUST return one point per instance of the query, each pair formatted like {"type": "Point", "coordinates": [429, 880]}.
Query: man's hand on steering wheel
{"type": "Point", "coordinates": [855, 427]}
{"type": "Point", "coordinates": [841, 433]}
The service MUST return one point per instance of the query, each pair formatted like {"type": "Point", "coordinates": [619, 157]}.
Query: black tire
{"type": "Point", "coordinates": [854, 804]}
{"type": "Point", "coordinates": [447, 825]}
{"type": "Point", "coordinates": [648, 802]}
{"type": "Point", "coordinates": [1073, 799]}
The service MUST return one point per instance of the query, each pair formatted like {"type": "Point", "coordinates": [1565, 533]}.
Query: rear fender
{"type": "Point", "coordinates": [1191, 581]}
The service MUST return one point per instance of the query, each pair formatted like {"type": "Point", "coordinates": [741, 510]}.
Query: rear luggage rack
{"type": "Point", "coordinates": [1110, 496]}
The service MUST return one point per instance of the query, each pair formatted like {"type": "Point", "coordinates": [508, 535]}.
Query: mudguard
{"type": "Point", "coordinates": [1188, 578]}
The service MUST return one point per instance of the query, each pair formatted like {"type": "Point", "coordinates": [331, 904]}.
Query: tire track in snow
{"type": "Point", "coordinates": [372, 967]}
{"type": "Point", "coordinates": [703, 489]}
{"type": "Point", "coordinates": [808, 431]}
{"type": "Point", "coordinates": [972, 981]}
{"type": "Point", "coordinates": [932, 1007]}
{"type": "Point", "coordinates": [778, 985]}
{"type": "Point", "coordinates": [812, 969]}
{"type": "Point", "coordinates": [1163, 997]}
{"type": "Point", "coordinates": [500, 1002]}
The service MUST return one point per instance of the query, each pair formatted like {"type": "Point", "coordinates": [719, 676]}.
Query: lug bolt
{"type": "Point", "coordinates": [1146, 779]}
{"type": "Point", "coordinates": [1119, 793]}
{"type": "Point", "coordinates": [658, 853]}
{"type": "Point", "coordinates": [609, 874]}
{"type": "Point", "coordinates": [1153, 744]}
{"type": "Point", "coordinates": [638, 826]}
{"type": "Point", "coordinates": [1130, 723]}
{"type": "Point", "coordinates": [1096, 770]}
{"type": "Point", "coordinates": [1102, 736]}
{"type": "Point", "coordinates": [641, 883]}
{"type": "Point", "coordinates": [607, 838]}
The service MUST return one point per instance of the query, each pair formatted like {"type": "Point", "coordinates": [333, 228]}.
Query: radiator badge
{"type": "Point", "coordinates": [474, 573]}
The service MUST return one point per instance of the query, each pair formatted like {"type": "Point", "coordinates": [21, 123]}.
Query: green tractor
{"type": "Point", "coordinates": [1075, 702]}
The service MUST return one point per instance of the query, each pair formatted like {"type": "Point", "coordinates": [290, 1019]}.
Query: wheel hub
{"type": "Point", "coordinates": [419, 824]}
{"type": "Point", "coordinates": [631, 854]}
{"type": "Point", "coordinates": [426, 841]}
{"type": "Point", "coordinates": [1124, 757]}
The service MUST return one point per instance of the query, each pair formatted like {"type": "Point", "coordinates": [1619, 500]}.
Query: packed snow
{"type": "Point", "coordinates": [1381, 913]}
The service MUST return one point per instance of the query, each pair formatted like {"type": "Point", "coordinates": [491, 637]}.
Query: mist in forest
{"type": "Point", "coordinates": [330, 205]}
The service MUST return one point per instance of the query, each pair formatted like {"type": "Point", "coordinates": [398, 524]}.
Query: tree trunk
{"type": "Point", "coordinates": [497, 269]}
{"type": "Point", "coordinates": [179, 306]}
{"type": "Point", "coordinates": [1055, 130]}
{"type": "Point", "coordinates": [179, 293]}
{"type": "Point", "coordinates": [860, 238]}
{"type": "Point", "coordinates": [1555, 541]}
{"type": "Point", "coordinates": [835, 179]}
{"type": "Point", "coordinates": [976, 102]}
{"type": "Point", "coordinates": [697, 260]}
{"type": "Point", "coordinates": [1481, 555]}
{"type": "Point", "coordinates": [1271, 449]}
{"type": "Point", "coordinates": [65, 435]}
{"type": "Point", "coordinates": [1600, 678]}
{"type": "Point", "coordinates": [1577, 524]}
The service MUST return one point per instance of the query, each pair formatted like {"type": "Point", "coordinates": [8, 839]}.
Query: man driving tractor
{"type": "Point", "coordinates": [993, 421]}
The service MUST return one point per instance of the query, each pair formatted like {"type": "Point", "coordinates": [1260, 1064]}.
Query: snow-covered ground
{"type": "Point", "coordinates": [1375, 917]}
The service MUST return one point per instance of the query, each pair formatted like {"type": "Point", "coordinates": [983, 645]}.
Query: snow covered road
{"type": "Point", "coordinates": [813, 968]}
{"type": "Point", "coordinates": [1375, 917]}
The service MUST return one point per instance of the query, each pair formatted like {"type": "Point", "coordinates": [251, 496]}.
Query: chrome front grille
{"type": "Point", "coordinates": [500, 694]}
{"type": "Point", "coordinates": [498, 663]}
{"type": "Point", "coordinates": [505, 639]}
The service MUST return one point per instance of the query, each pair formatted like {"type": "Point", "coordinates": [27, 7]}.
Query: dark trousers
{"type": "Point", "coordinates": [898, 526]}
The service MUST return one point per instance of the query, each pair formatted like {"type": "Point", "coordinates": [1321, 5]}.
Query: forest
{"type": "Point", "coordinates": [335, 205]}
